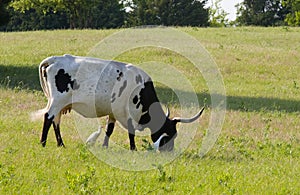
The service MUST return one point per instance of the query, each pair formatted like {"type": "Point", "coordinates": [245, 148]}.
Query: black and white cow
{"type": "Point", "coordinates": [95, 88]}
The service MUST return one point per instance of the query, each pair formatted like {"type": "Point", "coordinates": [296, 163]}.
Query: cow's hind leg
{"type": "Point", "coordinates": [131, 134]}
{"type": "Point", "coordinates": [56, 123]}
{"type": "Point", "coordinates": [47, 124]}
{"type": "Point", "coordinates": [109, 130]}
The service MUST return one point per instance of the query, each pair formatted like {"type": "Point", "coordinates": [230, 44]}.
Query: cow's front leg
{"type": "Point", "coordinates": [131, 134]}
{"type": "Point", "coordinates": [109, 130]}
{"type": "Point", "coordinates": [47, 124]}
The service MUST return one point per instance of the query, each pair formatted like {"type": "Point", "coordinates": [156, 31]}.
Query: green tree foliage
{"type": "Point", "coordinates": [217, 15]}
{"type": "Point", "coordinates": [61, 14]}
{"type": "Point", "coordinates": [168, 13]}
{"type": "Point", "coordinates": [293, 17]}
{"type": "Point", "coordinates": [261, 12]}
{"type": "Point", "coordinates": [31, 20]}
{"type": "Point", "coordinates": [51, 14]}
{"type": "Point", "coordinates": [4, 14]}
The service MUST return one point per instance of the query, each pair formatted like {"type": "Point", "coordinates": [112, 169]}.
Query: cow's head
{"type": "Point", "coordinates": [164, 138]}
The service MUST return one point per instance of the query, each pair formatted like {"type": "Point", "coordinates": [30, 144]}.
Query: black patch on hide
{"type": "Point", "coordinates": [62, 81]}
{"type": "Point", "coordinates": [122, 88]}
{"type": "Point", "coordinates": [120, 76]}
{"type": "Point", "coordinates": [113, 97]}
{"type": "Point", "coordinates": [138, 79]}
{"type": "Point", "coordinates": [147, 98]}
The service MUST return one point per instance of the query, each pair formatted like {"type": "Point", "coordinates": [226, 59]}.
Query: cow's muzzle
{"type": "Point", "coordinates": [164, 143]}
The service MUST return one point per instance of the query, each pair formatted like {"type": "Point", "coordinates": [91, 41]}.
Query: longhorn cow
{"type": "Point", "coordinates": [96, 88]}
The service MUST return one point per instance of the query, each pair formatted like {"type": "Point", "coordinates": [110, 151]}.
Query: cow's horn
{"type": "Point", "coordinates": [156, 144]}
{"type": "Point", "coordinates": [189, 120]}
{"type": "Point", "coordinates": [168, 112]}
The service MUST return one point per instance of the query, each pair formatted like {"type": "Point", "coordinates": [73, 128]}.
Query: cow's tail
{"type": "Point", "coordinates": [43, 76]}
{"type": "Point", "coordinates": [43, 81]}
{"type": "Point", "coordinates": [38, 115]}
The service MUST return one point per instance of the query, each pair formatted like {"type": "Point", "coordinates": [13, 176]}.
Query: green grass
{"type": "Point", "coordinates": [258, 151]}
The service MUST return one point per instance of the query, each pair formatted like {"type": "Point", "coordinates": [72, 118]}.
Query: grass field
{"type": "Point", "coordinates": [258, 151]}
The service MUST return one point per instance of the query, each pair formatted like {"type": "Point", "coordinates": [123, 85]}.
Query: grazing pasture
{"type": "Point", "coordinates": [258, 150]}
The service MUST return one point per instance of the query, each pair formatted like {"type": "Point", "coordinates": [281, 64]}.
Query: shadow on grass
{"type": "Point", "coordinates": [26, 77]}
{"type": "Point", "coordinates": [19, 77]}
{"type": "Point", "coordinates": [238, 103]}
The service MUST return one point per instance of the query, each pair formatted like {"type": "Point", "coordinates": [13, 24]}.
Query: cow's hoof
{"type": "Point", "coordinates": [43, 143]}
{"type": "Point", "coordinates": [105, 146]}
{"type": "Point", "coordinates": [61, 145]}
{"type": "Point", "coordinates": [133, 148]}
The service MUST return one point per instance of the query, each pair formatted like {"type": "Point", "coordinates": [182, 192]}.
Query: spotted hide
{"type": "Point", "coordinates": [96, 88]}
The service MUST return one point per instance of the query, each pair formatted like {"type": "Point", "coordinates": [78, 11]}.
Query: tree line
{"type": "Point", "coordinates": [16, 15]}
{"type": "Point", "coordinates": [269, 12]}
